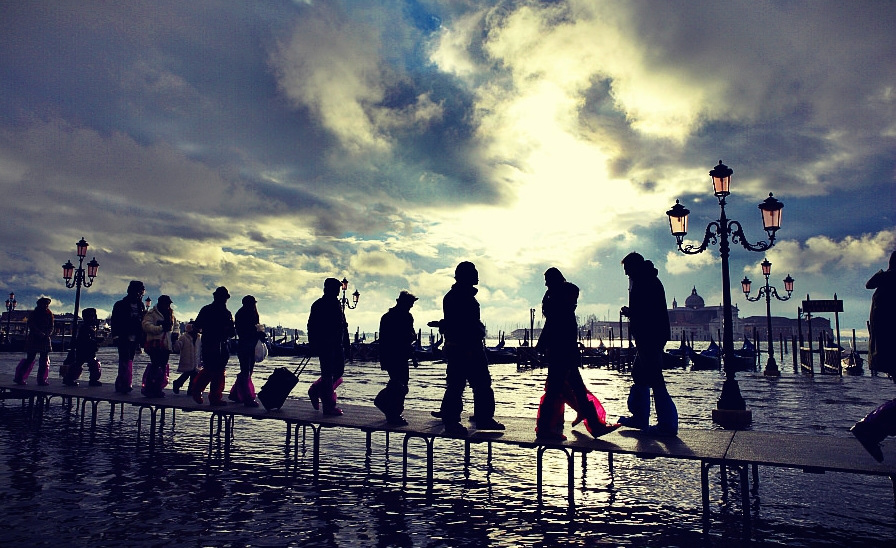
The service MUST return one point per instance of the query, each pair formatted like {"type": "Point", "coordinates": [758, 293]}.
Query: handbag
{"type": "Point", "coordinates": [261, 351]}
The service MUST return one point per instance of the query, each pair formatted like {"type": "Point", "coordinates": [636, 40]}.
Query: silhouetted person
{"type": "Point", "coordinates": [248, 330]}
{"type": "Point", "coordinates": [559, 341]}
{"type": "Point", "coordinates": [649, 326]}
{"type": "Point", "coordinates": [37, 343]}
{"type": "Point", "coordinates": [188, 347]}
{"type": "Point", "coordinates": [159, 324]}
{"type": "Point", "coordinates": [86, 346]}
{"type": "Point", "coordinates": [396, 347]}
{"type": "Point", "coordinates": [215, 323]}
{"type": "Point", "coordinates": [127, 332]}
{"type": "Point", "coordinates": [328, 337]}
{"type": "Point", "coordinates": [465, 356]}
{"type": "Point", "coordinates": [881, 422]}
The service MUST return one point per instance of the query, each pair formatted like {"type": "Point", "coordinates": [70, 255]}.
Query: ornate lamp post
{"type": "Point", "coordinates": [76, 278]}
{"type": "Point", "coordinates": [10, 306]}
{"type": "Point", "coordinates": [771, 366]}
{"type": "Point", "coordinates": [355, 296]}
{"type": "Point", "coordinates": [731, 410]}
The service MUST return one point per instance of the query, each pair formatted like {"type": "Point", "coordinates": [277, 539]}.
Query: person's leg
{"type": "Point", "coordinates": [549, 421]}
{"type": "Point", "coordinates": [43, 369]}
{"type": "Point", "coordinates": [638, 395]}
{"type": "Point", "coordinates": [23, 369]}
{"type": "Point", "coordinates": [96, 371]}
{"type": "Point", "coordinates": [876, 426]}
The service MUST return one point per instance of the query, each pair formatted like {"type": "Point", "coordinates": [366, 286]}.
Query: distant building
{"type": "Point", "coordinates": [697, 322]}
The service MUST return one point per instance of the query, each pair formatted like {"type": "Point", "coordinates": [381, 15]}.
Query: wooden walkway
{"type": "Point", "coordinates": [743, 450]}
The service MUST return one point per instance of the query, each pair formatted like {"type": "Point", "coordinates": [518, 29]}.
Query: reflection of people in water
{"type": "Point", "coordinates": [559, 342]}
{"type": "Point", "coordinates": [465, 356]}
{"type": "Point", "coordinates": [881, 422]}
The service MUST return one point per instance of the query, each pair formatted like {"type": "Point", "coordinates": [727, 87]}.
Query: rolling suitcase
{"type": "Point", "coordinates": [278, 386]}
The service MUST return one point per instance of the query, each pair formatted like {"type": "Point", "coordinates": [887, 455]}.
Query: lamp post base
{"type": "Point", "coordinates": [771, 368]}
{"type": "Point", "coordinates": [732, 419]}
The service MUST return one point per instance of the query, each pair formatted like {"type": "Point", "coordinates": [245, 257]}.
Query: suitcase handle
{"type": "Point", "coordinates": [301, 367]}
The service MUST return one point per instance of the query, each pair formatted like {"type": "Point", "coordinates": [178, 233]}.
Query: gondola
{"type": "Point", "coordinates": [707, 360]}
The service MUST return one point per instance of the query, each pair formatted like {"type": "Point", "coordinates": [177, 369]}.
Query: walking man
{"type": "Point", "coordinates": [328, 337]}
{"type": "Point", "coordinates": [215, 323]}
{"type": "Point", "coordinates": [649, 326]}
{"type": "Point", "coordinates": [465, 356]}
{"type": "Point", "coordinates": [127, 332]}
{"type": "Point", "coordinates": [396, 345]}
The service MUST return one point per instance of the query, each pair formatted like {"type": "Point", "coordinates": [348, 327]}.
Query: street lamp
{"type": "Point", "coordinates": [771, 366]}
{"type": "Point", "coordinates": [10, 306]}
{"type": "Point", "coordinates": [731, 410]}
{"type": "Point", "coordinates": [355, 296]}
{"type": "Point", "coordinates": [76, 278]}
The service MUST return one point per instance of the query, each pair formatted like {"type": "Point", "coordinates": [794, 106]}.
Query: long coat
{"type": "Point", "coordinates": [40, 327]}
{"type": "Point", "coordinates": [882, 343]}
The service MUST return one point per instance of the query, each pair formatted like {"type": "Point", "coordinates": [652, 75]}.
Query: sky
{"type": "Point", "coordinates": [268, 145]}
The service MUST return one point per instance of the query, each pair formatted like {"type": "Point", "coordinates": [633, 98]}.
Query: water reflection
{"type": "Point", "coordinates": [108, 490]}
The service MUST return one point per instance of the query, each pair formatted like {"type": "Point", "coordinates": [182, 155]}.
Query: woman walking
{"type": "Point", "coordinates": [159, 324]}
{"type": "Point", "coordinates": [40, 327]}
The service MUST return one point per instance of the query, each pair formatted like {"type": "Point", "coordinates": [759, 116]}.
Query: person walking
{"type": "Point", "coordinates": [881, 422]}
{"type": "Point", "coordinates": [215, 323]}
{"type": "Point", "coordinates": [126, 330]}
{"type": "Point", "coordinates": [328, 337]}
{"type": "Point", "coordinates": [37, 343]}
{"type": "Point", "coordinates": [159, 326]}
{"type": "Point", "coordinates": [559, 342]}
{"type": "Point", "coordinates": [465, 358]}
{"type": "Point", "coordinates": [649, 326]}
{"type": "Point", "coordinates": [188, 347]}
{"type": "Point", "coordinates": [86, 346]}
{"type": "Point", "coordinates": [396, 347]}
{"type": "Point", "coordinates": [249, 331]}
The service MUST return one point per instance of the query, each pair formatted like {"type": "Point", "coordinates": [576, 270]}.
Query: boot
{"type": "Point", "coordinates": [549, 421]}
{"type": "Point", "coordinates": [73, 374]}
{"type": "Point", "coordinates": [314, 393]}
{"type": "Point", "coordinates": [329, 400]}
{"type": "Point", "coordinates": [666, 415]}
{"type": "Point", "coordinates": [124, 381]}
{"type": "Point", "coordinates": [199, 384]}
{"type": "Point", "coordinates": [96, 371]}
{"type": "Point", "coordinates": [216, 390]}
{"type": "Point", "coordinates": [43, 372]}
{"type": "Point", "coordinates": [639, 407]}
{"type": "Point", "coordinates": [876, 426]}
{"type": "Point", "coordinates": [23, 369]}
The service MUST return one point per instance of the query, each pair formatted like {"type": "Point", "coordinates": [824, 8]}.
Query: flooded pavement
{"type": "Point", "coordinates": [63, 485]}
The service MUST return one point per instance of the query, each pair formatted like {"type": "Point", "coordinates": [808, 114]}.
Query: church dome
{"type": "Point", "coordinates": [694, 301]}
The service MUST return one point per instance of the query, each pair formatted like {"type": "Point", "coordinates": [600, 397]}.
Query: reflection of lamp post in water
{"type": "Point", "coordinates": [10, 306]}
{"type": "Point", "coordinates": [771, 366]}
{"type": "Point", "coordinates": [731, 410]}
{"type": "Point", "coordinates": [76, 278]}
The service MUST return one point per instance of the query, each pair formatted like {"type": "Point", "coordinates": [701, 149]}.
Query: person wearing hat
{"type": "Point", "coordinates": [648, 320]}
{"type": "Point", "coordinates": [465, 358]}
{"type": "Point", "coordinates": [396, 347]}
{"type": "Point", "coordinates": [127, 330]}
{"type": "Point", "coordinates": [249, 331]}
{"type": "Point", "coordinates": [159, 325]}
{"type": "Point", "coordinates": [215, 323]}
{"type": "Point", "coordinates": [86, 347]}
{"type": "Point", "coordinates": [328, 337]}
{"type": "Point", "coordinates": [40, 327]}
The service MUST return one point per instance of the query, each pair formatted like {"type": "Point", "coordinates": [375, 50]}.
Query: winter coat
{"type": "Point", "coordinates": [126, 322]}
{"type": "Point", "coordinates": [189, 346]}
{"type": "Point", "coordinates": [882, 342]}
{"type": "Point", "coordinates": [461, 325]}
{"type": "Point", "coordinates": [397, 337]}
{"type": "Point", "coordinates": [647, 313]}
{"type": "Point", "coordinates": [156, 334]}
{"type": "Point", "coordinates": [327, 328]}
{"type": "Point", "coordinates": [560, 336]}
{"type": "Point", "coordinates": [40, 327]}
{"type": "Point", "coordinates": [215, 323]}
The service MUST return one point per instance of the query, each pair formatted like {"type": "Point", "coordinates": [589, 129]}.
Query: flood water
{"type": "Point", "coordinates": [62, 485]}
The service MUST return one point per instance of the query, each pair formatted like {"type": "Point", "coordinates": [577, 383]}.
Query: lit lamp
{"type": "Point", "coordinates": [355, 296]}
{"type": "Point", "coordinates": [731, 411]}
{"type": "Point", "coordinates": [76, 278]}
{"type": "Point", "coordinates": [771, 366]}
{"type": "Point", "coordinates": [10, 306]}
